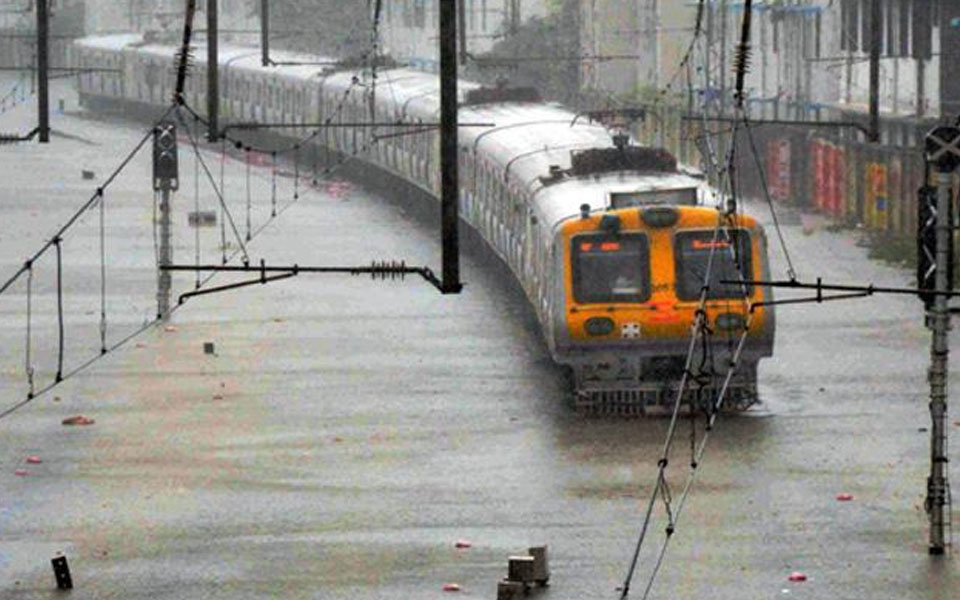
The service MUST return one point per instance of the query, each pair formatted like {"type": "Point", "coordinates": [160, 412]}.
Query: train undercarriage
{"type": "Point", "coordinates": [649, 386]}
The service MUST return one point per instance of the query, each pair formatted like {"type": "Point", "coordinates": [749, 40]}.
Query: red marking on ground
{"type": "Point", "coordinates": [78, 420]}
{"type": "Point", "coordinates": [258, 159]}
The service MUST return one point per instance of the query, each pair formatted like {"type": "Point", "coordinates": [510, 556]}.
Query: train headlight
{"type": "Point", "coordinates": [599, 326]}
{"type": "Point", "coordinates": [659, 216]}
{"type": "Point", "coordinates": [731, 322]}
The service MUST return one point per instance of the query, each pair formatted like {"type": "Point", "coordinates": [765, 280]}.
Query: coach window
{"type": "Point", "coordinates": [610, 268]}
{"type": "Point", "coordinates": [730, 251]}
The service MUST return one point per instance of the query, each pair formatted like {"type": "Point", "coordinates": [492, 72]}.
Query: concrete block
{"type": "Point", "coordinates": [520, 568]}
{"type": "Point", "coordinates": [511, 590]}
{"type": "Point", "coordinates": [541, 571]}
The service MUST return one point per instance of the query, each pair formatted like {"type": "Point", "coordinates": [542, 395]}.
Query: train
{"type": "Point", "coordinates": [608, 240]}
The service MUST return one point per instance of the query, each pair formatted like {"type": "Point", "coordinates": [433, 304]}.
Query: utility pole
{"type": "Point", "coordinates": [921, 93]}
{"type": "Point", "coordinates": [876, 34]}
{"type": "Point", "coordinates": [943, 150]}
{"type": "Point", "coordinates": [921, 48]}
{"type": "Point", "coordinates": [723, 58]}
{"type": "Point", "coordinates": [462, 30]}
{"type": "Point", "coordinates": [655, 47]}
{"type": "Point", "coordinates": [264, 33]}
{"type": "Point", "coordinates": [706, 58]}
{"type": "Point", "coordinates": [213, 92]}
{"type": "Point", "coordinates": [449, 181]}
{"type": "Point", "coordinates": [763, 66]}
{"type": "Point", "coordinates": [43, 71]}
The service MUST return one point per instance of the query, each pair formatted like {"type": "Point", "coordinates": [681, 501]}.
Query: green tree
{"type": "Point", "coordinates": [542, 53]}
{"type": "Point", "coordinates": [335, 28]}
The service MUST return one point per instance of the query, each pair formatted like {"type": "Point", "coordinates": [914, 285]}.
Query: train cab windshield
{"type": "Point", "coordinates": [731, 257]}
{"type": "Point", "coordinates": [611, 269]}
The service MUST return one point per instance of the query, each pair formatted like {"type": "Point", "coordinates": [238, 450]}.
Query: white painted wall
{"type": "Point", "coordinates": [105, 16]}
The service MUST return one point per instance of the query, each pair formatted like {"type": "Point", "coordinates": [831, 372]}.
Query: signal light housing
{"type": "Point", "coordinates": [927, 245]}
{"type": "Point", "coordinates": [165, 162]}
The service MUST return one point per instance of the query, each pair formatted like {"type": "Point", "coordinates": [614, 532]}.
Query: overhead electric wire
{"type": "Point", "coordinates": [56, 241]}
{"type": "Point", "coordinates": [699, 332]}
{"type": "Point", "coordinates": [216, 190]}
{"type": "Point", "coordinates": [103, 275]}
{"type": "Point", "coordinates": [89, 203]}
{"type": "Point", "coordinates": [791, 272]}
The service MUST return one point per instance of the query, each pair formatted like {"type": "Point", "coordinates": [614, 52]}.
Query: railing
{"type": "Point", "coordinates": [829, 168]}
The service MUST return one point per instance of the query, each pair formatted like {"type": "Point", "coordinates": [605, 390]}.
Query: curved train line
{"type": "Point", "coordinates": [610, 244]}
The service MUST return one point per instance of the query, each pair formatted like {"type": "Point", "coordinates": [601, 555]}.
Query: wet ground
{"type": "Point", "coordinates": [346, 433]}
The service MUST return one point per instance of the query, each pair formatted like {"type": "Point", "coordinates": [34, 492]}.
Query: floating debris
{"type": "Point", "coordinates": [451, 587]}
{"type": "Point", "coordinates": [78, 420]}
{"type": "Point", "coordinates": [462, 544]}
{"type": "Point", "coordinates": [844, 497]}
{"type": "Point", "coordinates": [34, 460]}
{"type": "Point", "coordinates": [797, 576]}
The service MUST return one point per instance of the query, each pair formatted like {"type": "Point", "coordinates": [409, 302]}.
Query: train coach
{"type": "Point", "coordinates": [609, 241]}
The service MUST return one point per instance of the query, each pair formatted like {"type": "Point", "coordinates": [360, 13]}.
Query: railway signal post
{"type": "Point", "coordinates": [943, 152]}
{"type": "Point", "coordinates": [165, 180]}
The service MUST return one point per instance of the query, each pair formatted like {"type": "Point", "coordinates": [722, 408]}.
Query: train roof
{"type": "Point", "coordinates": [115, 41]}
{"type": "Point", "coordinates": [561, 201]}
{"type": "Point", "coordinates": [528, 140]}
{"type": "Point", "coordinates": [245, 58]}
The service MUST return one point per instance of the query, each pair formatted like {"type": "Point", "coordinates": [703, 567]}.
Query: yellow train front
{"type": "Point", "coordinates": [632, 286]}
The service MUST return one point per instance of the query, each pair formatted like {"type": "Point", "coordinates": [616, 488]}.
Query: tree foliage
{"type": "Point", "coordinates": [542, 53]}
{"type": "Point", "coordinates": [335, 28]}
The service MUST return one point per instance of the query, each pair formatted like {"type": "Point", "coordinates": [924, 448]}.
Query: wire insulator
{"type": "Point", "coordinates": [742, 60]}
{"type": "Point", "coordinates": [742, 67]}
